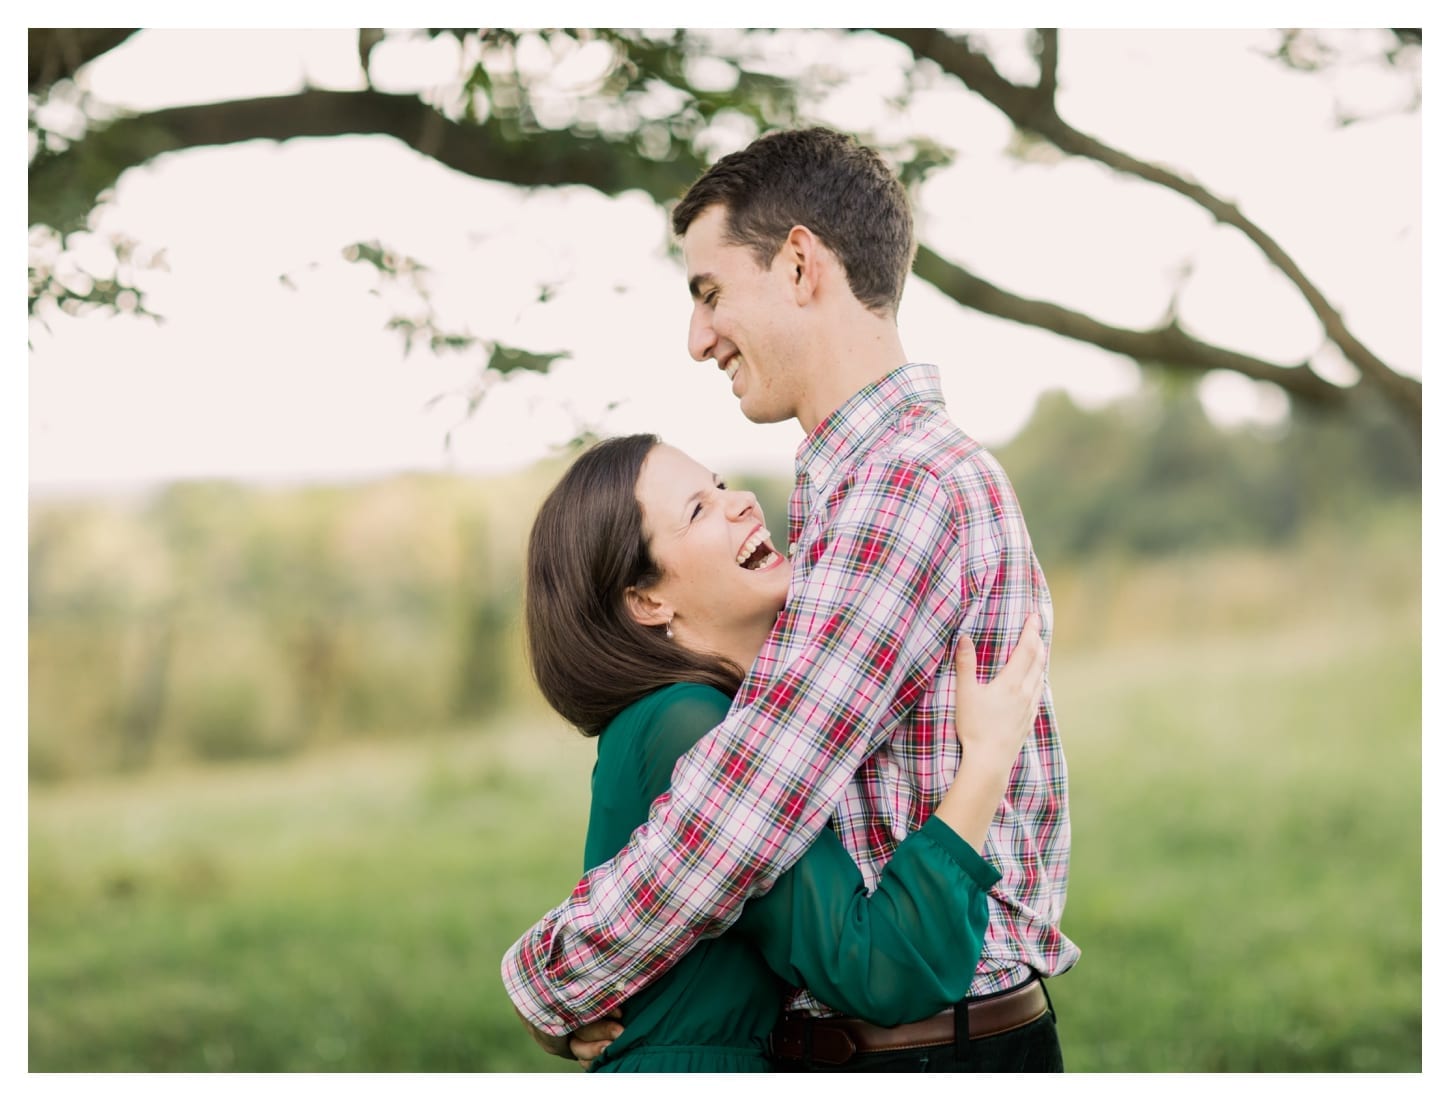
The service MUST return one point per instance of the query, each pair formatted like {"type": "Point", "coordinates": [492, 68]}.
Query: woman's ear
{"type": "Point", "coordinates": [645, 609]}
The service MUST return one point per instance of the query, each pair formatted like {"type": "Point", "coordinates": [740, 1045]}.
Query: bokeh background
{"type": "Point", "coordinates": [316, 318]}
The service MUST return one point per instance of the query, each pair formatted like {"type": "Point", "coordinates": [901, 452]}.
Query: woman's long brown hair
{"type": "Point", "coordinates": [587, 547]}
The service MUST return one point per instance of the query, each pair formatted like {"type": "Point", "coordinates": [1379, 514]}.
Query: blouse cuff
{"type": "Point", "coordinates": [967, 858]}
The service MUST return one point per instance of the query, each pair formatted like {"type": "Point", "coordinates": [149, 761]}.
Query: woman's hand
{"type": "Point", "coordinates": [993, 719]}
{"type": "Point", "coordinates": [992, 723]}
{"type": "Point", "coordinates": [589, 1041]}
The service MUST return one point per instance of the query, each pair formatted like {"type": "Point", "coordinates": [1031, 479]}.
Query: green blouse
{"type": "Point", "coordinates": [902, 953]}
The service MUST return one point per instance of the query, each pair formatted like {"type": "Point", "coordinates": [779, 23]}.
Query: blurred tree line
{"type": "Point", "coordinates": [215, 621]}
{"type": "Point", "coordinates": [1153, 475]}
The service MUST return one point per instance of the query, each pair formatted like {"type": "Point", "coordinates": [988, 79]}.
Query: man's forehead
{"type": "Point", "coordinates": [708, 252]}
{"type": "Point", "coordinates": [710, 222]}
{"type": "Point", "coordinates": [706, 234]}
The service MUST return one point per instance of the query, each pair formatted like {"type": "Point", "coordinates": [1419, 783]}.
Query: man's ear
{"type": "Point", "coordinates": [804, 256]}
{"type": "Point", "coordinates": [647, 610]}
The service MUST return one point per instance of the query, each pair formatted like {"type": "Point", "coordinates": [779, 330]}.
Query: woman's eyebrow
{"type": "Point", "coordinates": [692, 498]}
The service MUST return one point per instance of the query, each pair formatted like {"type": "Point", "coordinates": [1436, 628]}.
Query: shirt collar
{"type": "Point", "coordinates": [823, 455]}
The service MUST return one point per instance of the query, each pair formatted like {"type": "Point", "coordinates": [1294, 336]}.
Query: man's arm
{"type": "Point", "coordinates": [868, 628]}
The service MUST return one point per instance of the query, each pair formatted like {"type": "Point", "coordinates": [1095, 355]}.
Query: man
{"type": "Point", "coordinates": [903, 533]}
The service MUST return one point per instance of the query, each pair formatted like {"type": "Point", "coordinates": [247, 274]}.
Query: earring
{"type": "Point", "coordinates": [668, 632]}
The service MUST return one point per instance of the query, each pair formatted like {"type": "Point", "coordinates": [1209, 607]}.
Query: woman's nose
{"type": "Point", "coordinates": [743, 502]}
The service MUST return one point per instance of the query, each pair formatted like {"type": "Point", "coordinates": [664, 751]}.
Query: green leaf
{"type": "Point", "coordinates": [506, 360]}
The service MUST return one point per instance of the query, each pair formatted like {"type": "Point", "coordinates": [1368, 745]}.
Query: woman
{"type": "Point", "coordinates": [651, 587]}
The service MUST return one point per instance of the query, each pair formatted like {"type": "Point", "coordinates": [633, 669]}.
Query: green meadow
{"type": "Point", "coordinates": [1243, 731]}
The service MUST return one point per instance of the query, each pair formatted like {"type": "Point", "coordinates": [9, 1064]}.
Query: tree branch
{"type": "Point", "coordinates": [1028, 109]}
{"type": "Point", "coordinates": [56, 53]}
{"type": "Point", "coordinates": [1047, 60]}
{"type": "Point", "coordinates": [1167, 345]}
{"type": "Point", "coordinates": [64, 186]}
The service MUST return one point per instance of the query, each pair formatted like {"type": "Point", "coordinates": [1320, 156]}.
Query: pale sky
{"type": "Point", "coordinates": [250, 379]}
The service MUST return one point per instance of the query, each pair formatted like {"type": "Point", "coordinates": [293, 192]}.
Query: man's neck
{"type": "Point", "coordinates": [857, 358]}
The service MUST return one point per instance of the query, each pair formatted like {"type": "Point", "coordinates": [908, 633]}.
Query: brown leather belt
{"type": "Point", "coordinates": [834, 1040]}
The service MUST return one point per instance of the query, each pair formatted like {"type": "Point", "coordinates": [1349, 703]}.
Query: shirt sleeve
{"type": "Point", "coordinates": [868, 627]}
{"type": "Point", "coordinates": [903, 953]}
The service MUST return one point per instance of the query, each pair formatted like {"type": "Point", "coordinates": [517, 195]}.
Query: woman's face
{"type": "Point", "coordinates": [724, 581]}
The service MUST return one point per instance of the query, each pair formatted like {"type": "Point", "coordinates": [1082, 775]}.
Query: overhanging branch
{"type": "Point", "coordinates": [1167, 345]}
{"type": "Point", "coordinates": [64, 186]}
{"type": "Point", "coordinates": [1035, 109]}
{"type": "Point", "coordinates": [57, 52]}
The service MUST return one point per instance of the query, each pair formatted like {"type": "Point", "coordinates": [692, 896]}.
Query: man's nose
{"type": "Point", "coordinates": [701, 339]}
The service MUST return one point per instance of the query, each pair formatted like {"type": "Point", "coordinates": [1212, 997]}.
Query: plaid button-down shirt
{"type": "Point", "coordinates": [906, 533]}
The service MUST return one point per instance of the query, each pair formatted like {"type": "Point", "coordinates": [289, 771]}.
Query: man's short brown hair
{"type": "Point", "coordinates": [839, 189]}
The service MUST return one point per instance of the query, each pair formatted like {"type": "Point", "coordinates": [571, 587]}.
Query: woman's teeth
{"type": "Point", "coordinates": [770, 559]}
{"type": "Point", "coordinates": [748, 547]}
{"type": "Point", "coordinates": [756, 554]}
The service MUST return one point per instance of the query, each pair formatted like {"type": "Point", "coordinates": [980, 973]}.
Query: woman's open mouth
{"type": "Point", "coordinates": [756, 553]}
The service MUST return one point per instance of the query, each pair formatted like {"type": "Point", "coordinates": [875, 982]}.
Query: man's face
{"type": "Point", "coordinates": [745, 318]}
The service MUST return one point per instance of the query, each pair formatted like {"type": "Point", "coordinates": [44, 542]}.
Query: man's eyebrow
{"type": "Point", "coordinates": [698, 280]}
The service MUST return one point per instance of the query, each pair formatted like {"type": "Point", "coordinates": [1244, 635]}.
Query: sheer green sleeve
{"type": "Point", "coordinates": [902, 953]}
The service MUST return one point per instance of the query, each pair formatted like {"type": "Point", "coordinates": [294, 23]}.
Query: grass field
{"type": "Point", "coordinates": [1246, 879]}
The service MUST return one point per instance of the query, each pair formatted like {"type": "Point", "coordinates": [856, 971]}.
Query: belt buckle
{"type": "Point", "coordinates": [838, 1048]}
{"type": "Point", "coordinates": [785, 1042]}
{"type": "Point", "coordinates": [811, 1040]}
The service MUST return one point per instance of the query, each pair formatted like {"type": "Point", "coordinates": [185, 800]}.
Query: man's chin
{"type": "Point", "coordinates": [756, 415]}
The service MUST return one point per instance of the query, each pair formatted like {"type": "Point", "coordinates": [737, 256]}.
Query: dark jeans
{"type": "Point", "coordinates": [1033, 1048]}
